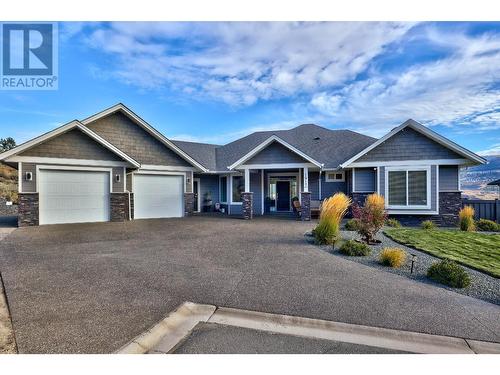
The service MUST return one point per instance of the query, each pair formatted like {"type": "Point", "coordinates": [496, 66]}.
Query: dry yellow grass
{"type": "Point", "coordinates": [375, 201]}
{"type": "Point", "coordinates": [332, 211]}
{"type": "Point", "coordinates": [392, 257]}
{"type": "Point", "coordinates": [8, 183]}
{"type": "Point", "coordinates": [466, 216]}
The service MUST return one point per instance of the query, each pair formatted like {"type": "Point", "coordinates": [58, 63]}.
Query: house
{"type": "Point", "coordinates": [115, 166]}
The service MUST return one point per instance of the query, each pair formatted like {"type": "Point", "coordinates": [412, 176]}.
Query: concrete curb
{"type": "Point", "coordinates": [165, 335]}
{"type": "Point", "coordinates": [356, 334]}
{"type": "Point", "coordinates": [169, 333]}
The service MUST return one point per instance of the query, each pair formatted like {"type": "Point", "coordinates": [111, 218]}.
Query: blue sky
{"type": "Point", "coordinates": [214, 82]}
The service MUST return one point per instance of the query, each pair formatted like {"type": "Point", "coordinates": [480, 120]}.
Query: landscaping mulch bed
{"type": "Point", "coordinates": [482, 286]}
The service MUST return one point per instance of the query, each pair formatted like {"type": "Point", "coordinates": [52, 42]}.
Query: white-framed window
{"type": "Point", "coordinates": [334, 176]}
{"type": "Point", "coordinates": [237, 188]}
{"type": "Point", "coordinates": [408, 187]}
{"type": "Point", "coordinates": [223, 189]}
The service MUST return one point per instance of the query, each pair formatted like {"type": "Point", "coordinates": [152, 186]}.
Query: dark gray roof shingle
{"type": "Point", "coordinates": [329, 147]}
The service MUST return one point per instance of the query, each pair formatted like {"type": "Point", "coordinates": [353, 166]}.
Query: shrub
{"type": "Point", "coordinates": [466, 219]}
{"type": "Point", "coordinates": [487, 225]}
{"type": "Point", "coordinates": [352, 224]}
{"type": "Point", "coordinates": [393, 223]}
{"type": "Point", "coordinates": [392, 257]}
{"type": "Point", "coordinates": [371, 217]}
{"type": "Point", "coordinates": [428, 225]}
{"type": "Point", "coordinates": [449, 273]}
{"type": "Point", "coordinates": [355, 248]}
{"type": "Point", "coordinates": [332, 211]}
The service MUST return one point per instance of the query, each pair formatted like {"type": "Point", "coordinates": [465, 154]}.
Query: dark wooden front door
{"type": "Point", "coordinates": [195, 191]}
{"type": "Point", "coordinates": [283, 196]}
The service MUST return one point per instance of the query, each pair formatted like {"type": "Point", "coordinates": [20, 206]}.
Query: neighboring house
{"type": "Point", "coordinates": [115, 166]}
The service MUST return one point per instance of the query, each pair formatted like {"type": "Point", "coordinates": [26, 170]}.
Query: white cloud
{"type": "Point", "coordinates": [492, 151]}
{"type": "Point", "coordinates": [463, 87]}
{"type": "Point", "coordinates": [241, 63]}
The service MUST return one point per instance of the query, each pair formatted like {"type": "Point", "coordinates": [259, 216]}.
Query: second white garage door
{"type": "Point", "coordinates": [73, 196]}
{"type": "Point", "coordinates": [158, 196]}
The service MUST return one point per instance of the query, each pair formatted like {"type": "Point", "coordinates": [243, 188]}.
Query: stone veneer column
{"type": "Point", "coordinates": [305, 204]}
{"type": "Point", "coordinates": [188, 204]}
{"type": "Point", "coordinates": [28, 210]}
{"type": "Point", "coordinates": [247, 205]}
{"type": "Point", "coordinates": [119, 207]}
{"type": "Point", "coordinates": [450, 204]}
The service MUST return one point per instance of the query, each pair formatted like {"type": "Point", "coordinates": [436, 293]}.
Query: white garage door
{"type": "Point", "coordinates": [158, 196]}
{"type": "Point", "coordinates": [73, 196]}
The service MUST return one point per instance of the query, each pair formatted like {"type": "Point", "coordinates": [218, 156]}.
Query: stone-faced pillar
{"type": "Point", "coordinates": [27, 209]}
{"type": "Point", "coordinates": [119, 206]}
{"type": "Point", "coordinates": [305, 204]}
{"type": "Point", "coordinates": [247, 205]}
{"type": "Point", "coordinates": [188, 204]}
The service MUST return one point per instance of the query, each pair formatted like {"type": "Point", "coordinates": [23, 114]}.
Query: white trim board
{"type": "Point", "coordinates": [65, 161]}
{"type": "Point", "coordinates": [197, 192]}
{"type": "Point", "coordinates": [267, 142]}
{"type": "Point", "coordinates": [75, 124]}
{"type": "Point", "coordinates": [153, 167]}
{"type": "Point", "coordinates": [367, 164]}
{"type": "Point", "coordinates": [129, 113]}
{"type": "Point", "coordinates": [425, 131]}
{"type": "Point", "coordinates": [277, 166]}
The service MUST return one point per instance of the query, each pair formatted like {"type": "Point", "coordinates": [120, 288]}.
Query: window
{"type": "Point", "coordinates": [238, 188]}
{"type": "Point", "coordinates": [408, 188]}
{"type": "Point", "coordinates": [223, 189]}
{"type": "Point", "coordinates": [334, 176]}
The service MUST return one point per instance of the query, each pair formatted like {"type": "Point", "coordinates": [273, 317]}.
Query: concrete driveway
{"type": "Point", "coordinates": [92, 287]}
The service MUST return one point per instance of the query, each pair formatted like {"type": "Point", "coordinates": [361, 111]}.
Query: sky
{"type": "Point", "coordinates": [214, 82]}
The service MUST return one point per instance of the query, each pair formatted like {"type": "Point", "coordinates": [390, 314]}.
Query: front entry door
{"type": "Point", "coordinates": [282, 195]}
{"type": "Point", "coordinates": [196, 192]}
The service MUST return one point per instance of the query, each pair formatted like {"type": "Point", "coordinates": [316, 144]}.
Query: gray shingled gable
{"type": "Point", "coordinates": [330, 147]}
{"type": "Point", "coordinates": [203, 153]}
{"type": "Point", "coordinates": [409, 144]}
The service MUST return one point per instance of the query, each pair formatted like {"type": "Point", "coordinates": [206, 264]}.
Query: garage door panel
{"type": "Point", "coordinates": [157, 196]}
{"type": "Point", "coordinates": [73, 196]}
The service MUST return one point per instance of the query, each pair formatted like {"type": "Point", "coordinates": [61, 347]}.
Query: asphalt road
{"type": "Point", "coordinates": [89, 288]}
{"type": "Point", "coordinates": [209, 338]}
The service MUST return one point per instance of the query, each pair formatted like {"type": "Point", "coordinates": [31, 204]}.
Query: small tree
{"type": "Point", "coordinates": [7, 144]}
{"type": "Point", "coordinates": [371, 217]}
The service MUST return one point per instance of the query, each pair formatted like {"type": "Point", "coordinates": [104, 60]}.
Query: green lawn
{"type": "Point", "coordinates": [477, 250]}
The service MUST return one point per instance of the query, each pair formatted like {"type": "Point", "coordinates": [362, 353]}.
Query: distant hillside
{"type": "Point", "coordinates": [475, 179]}
{"type": "Point", "coordinates": [8, 183]}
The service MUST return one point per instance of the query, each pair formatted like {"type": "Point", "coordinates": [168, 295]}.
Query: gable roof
{"type": "Point", "coordinates": [155, 133]}
{"type": "Point", "coordinates": [324, 146]}
{"type": "Point", "coordinates": [75, 124]}
{"type": "Point", "coordinates": [267, 142]}
{"type": "Point", "coordinates": [423, 130]}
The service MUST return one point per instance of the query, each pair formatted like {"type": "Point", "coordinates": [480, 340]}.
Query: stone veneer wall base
{"type": "Point", "coordinates": [305, 204]}
{"type": "Point", "coordinates": [119, 208]}
{"type": "Point", "coordinates": [247, 205]}
{"type": "Point", "coordinates": [188, 204]}
{"type": "Point", "coordinates": [28, 210]}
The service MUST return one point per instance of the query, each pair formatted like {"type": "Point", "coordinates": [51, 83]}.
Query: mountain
{"type": "Point", "coordinates": [474, 180]}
